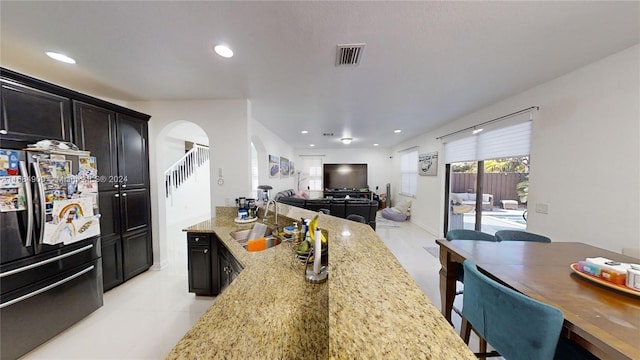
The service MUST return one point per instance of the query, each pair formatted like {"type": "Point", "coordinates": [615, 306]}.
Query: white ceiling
{"type": "Point", "coordinates": [425, 63]}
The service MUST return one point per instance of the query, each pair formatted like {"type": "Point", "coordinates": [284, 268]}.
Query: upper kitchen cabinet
{"type": "Point", "coordinates": [30, 115]}
{"type": "Point", "coordinates": [95, 131]}
{"type": "Point", "coordinates": [133, 157]}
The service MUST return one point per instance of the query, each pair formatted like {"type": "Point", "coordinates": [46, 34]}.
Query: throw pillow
{"type": "Point", "coordinates": [403, 207]}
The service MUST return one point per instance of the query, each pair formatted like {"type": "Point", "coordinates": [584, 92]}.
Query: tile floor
{"type": "Point", "coordinates": [145, 317]}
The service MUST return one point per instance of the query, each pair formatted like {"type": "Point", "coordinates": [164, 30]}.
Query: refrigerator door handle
{"type": "Point", "coordinates": [59, 257]}
{"type": "Point", "coordinates": [47, 288]}
{"type": "Point", "coordinates": [43, 210]}
{"type": "Point", "coordinates": [27, 190]}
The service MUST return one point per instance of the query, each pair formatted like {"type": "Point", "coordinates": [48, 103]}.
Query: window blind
{"type": "Point", "coordinates": [460, 150]}
{"type": "Point", "coordinates": [409, 172]}
{"type": "Point", "coordinates": [513, 140]}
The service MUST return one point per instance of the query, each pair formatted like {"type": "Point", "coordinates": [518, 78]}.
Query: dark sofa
{"type": "Point", "coordinates": [338, 207]}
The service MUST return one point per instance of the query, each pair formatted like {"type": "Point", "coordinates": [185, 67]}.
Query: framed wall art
{"type": "Point", "coordinates": [274, 167]}
{"type": "Point", "coordinates": [428, 164]}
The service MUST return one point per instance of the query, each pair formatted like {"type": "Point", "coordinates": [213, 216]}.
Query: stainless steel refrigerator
{"type": "Point", "coordinates": [50, 259]}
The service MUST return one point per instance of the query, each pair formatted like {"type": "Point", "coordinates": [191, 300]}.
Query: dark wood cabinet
{"type": "Point", "coordinates": [202, 258]}
{"type": "Point", "coordinates": [117, 137]}
{"type": "Point", "coordinates": [212, 267]}
{"type": "Point", "coordinates": [119, 143]}
{"type": "Point", "coordinates": [125, 229]}
{"type": "Point", "coordinates": [112, 274]}
{"type": "Point", "coordinates": [30, 114]}
{"type": "Point", "coordinates": [95, 131]}
{"type": "Point", "coordinates": [229, 268]}
{"type": "Point", "coordinates": [136, 253]}
{"type": "Point", "coordinates": [109, 204]}
{"type": "Point", "coordinates": [133, 158]}
{"type": "Point", "coordinates": [134, 211]}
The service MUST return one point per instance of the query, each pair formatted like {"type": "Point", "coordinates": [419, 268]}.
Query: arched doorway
{"type": "Point", "coordinates": [182, 199]}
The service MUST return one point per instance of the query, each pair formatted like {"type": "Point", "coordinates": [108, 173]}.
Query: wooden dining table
{"type": "Point", "coordinates": [603, 320]}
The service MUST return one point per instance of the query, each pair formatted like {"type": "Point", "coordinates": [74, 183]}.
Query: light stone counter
{"type": "Point", "coordinates": [370, 308]}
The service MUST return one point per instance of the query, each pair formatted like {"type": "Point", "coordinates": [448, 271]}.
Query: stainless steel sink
{"type": "Point", "coordinates": [242, 236]}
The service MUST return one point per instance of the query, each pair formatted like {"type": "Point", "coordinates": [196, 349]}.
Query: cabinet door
{"type": "Point", "coordinates": [134, 215]}
{"type": "Point", "coordinates": [133, 160]}
{"type": "Point", "coordinates": [32, 115]}
{"type": "Point", "coordinates": [137, 256]}
{"type": "Point", "coordinates": [112, 272]}
{"type": "Point", "coordinates": [109, 207]}
{"type": "Point", "coordinates": [95, 131]}
{"type": "Point", "coordinates": [199, 259]}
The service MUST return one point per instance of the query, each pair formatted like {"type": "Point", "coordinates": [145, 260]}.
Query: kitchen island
{"type": "Point", "coordinates": [370, 308]}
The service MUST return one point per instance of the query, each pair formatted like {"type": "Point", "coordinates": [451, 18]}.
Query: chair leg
{"type": "Point", "coordinates": [483, 348]}
{"type": "Point", "coordinates": [465, 330]}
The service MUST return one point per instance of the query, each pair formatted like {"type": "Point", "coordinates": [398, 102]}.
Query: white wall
{"type": "Point", "coordinates": [585, 155]}
{"type": "Point", "coordinates": [186, 202]}
{"type": "Point", "coordinates": [378, 160]}
{"type": "Point", "coordinates": [172, 151]}
{"type": "Point", "coordinates": [225, 123]}
{"type": "Point", "coordinates": [268, 143]}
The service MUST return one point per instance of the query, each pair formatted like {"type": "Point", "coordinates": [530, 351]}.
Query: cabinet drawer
{"type": "Point", "coordinates": [196, 239]}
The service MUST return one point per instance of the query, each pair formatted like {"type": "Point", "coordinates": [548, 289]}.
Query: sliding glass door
{"type": "Point", "coordinates": [486, 184]}
{"type": "Point", "coordinates": [488, 195]}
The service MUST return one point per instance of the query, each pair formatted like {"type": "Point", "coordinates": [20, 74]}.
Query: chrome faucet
{"type": "Point", "coordinates": [275, 210]}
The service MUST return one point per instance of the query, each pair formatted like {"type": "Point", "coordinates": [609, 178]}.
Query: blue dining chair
{"type": "Point", "coordinates": [517, 235]}
{"type": "Point", "coordinates": [464, 234]}
{"type": "Point", "coordinates": [517, 326]}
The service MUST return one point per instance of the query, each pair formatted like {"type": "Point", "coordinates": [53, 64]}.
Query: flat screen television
{"type": "Point", "coordinates": [345, 176]}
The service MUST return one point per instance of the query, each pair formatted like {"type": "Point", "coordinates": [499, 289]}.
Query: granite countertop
{"type": "Point", "coordinates": [370, 308]}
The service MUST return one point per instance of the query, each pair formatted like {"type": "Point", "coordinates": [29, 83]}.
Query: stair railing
{"type": "Point", "coordinates": [184, 168]}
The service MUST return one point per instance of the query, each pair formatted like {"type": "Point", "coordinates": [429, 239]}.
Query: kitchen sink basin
{"type": "Point", "coordinates": [242, 236]}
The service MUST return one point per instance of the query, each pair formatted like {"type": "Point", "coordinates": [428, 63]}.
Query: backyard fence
{"type": "Point", "coordinates": [501, 185]}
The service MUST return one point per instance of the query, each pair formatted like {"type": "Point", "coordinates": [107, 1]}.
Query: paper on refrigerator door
{"type": "Point", "coordinates": [87, 175]}
{"type": "Point", "coordinates": [12, 194]}
{"type": "Point", "coordinates": [73, 220]}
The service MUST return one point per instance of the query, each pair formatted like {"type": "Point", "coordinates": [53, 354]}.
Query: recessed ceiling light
{"type": "Point", "coordinates": [397, 131]}
{"type": "Point", "coordinates": [223, 51]}
{"type": "Point", "coordinates": [60, 57]}
{"type": "Point", "coordinates": [304, 131]}
{"type": "Point", "coordinates": [376, 144]}
{"type": "Point", "coordinates": [312, 145]}
{"type": "Point", "coordinates": [475, 131]}
{"type": "Point", "coordinates": [346, 141]}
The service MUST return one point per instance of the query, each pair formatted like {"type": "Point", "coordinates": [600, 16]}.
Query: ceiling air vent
{"type": "Point", "coordinates": [349, 54]}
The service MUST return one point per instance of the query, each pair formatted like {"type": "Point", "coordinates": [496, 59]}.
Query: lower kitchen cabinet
{"type": "Point", "coordinates": [111, 263]}
{"type": "Point", "coordinates": [212, 267]}
{"type": "Point", "coordinates": [125, 234]}
{"type": "Point", "coordinates": [202, 255]}
{"type": "Point", "coordinates": [136, 254]}
{"type": "Point", "coordinates": [228, 267]}
{"type": "Point", "coordinates": [125, 257]}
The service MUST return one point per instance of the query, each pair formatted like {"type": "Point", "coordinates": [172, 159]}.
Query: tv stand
{"type": "Point", "coordinates": [341, 193]}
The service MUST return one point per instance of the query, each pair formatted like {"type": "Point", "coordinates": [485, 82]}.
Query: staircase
{"type": "Point", "coordinates": [184, 168]}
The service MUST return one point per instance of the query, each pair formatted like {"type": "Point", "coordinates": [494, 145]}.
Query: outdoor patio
{"type": "Point", "coordinates": [496, 219]}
